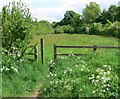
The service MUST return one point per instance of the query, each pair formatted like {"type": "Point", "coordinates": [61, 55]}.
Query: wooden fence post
{"type": "Point", "coordinates": [95, 48]}
{"type": "Point", "coordinates": [55, 53]}
{"type": "Point", "coordinates": [42, 50]}
{"type": "Point", "coordinates": [36, 53]}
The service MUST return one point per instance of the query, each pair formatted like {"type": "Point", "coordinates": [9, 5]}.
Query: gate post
{"type": "Point", "coordinates": [36, 53]}
{"type": "Point", "coordinates": [42, 50]}
{"type": "Point", "coordinates": [55, 53]}
{"type": "Point", "coordinates": [95, 48]}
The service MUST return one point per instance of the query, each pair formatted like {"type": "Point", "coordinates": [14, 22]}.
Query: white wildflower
{"type": "Point", "coordinates": [97, 81]}
{"type": "Point", "coordinates": [76, 65]}
{"type": "Point", "coordinates": [70, 70]}
{"type": "Point", "coordinates": [81, 89]}
{"type": "Point", "coordinates": [48, 76]}
{"type": "Point", "coordinates": [98, 69]}
{"type": "Point", "coordinates": [97, 76]}
{"type": "Point", "coordinates": [2, 68]}
{"type": "Point", "coordinates": [105, 73]}
{"type": "Point", "coordinates": [105, 66]}
{"type": "Point", "coordinates": [51, 82]}
{"type": "Point", "coordinates": [107, 88]}
{"type": "Point", "coordinates": [93, 81]}
{"type": "Point", "coordinates": [93, 91]}
{"type": "Point", "coordinates": [15, 69]}
{"type": "Point", "coordinates": [103, 90]}
{"type": "Point", "coordinates": [55, 75]}
{"type": "Point", "coordinates": [82, 69]}
{"type": "Point", "coordinates": [65, 72]}
{"type": "Point", "coordinates": [108, 72]}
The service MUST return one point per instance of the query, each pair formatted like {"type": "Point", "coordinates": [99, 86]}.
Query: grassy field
{"type": "Point", "coordinates": [75, 39]}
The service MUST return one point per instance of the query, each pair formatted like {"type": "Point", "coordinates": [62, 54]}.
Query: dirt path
{"type": "Point", "coordinates": [34, 94]}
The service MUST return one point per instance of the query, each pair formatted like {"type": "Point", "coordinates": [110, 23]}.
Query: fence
{"type": "Point", "coordinates": [34, 48]}
{"type": "Point", "coordinates": [95, 47]}
{"type": "Point", "coordinates": [35, 53]}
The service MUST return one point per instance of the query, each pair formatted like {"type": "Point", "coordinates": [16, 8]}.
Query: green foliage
{"type": "Point", "coordinates": [64, 29]}
{"type": "Point", "coordinates": [112, 29]}
{"type": "Point", "coordinates": [42, 27]}
{"type": "Point", "coordinates": [91, 12]}
{"type": "Point", "coordinates": [59, 30]}
{"type": "Point", "coordinates": [20, 77]}
{"type": "Point", "coordinates": [112, 14]}
{"type": "Point", "coordinates": [90, 76]}
{"type": "Point", "coordinates": [16, 26]}
{"type": "Point", "coordinates": [96, 29]}
{"type": "Point", "coordinates": [70, 18]}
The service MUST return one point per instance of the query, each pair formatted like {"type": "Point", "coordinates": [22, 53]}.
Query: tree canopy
{"type": "Point", "coordinates": [91, 11]}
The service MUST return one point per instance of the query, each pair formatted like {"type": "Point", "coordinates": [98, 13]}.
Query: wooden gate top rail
{"type": "Point", "coordinates": [57, 46]}
{"type": "Point", "coordinates": [71, 54]}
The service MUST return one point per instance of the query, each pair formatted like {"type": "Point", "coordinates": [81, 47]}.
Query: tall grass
{"type": "Point", "coordinates": [21, 77]}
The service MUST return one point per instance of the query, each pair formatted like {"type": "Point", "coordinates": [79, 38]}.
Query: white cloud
{"type": "Point", "coordinates": [59, 7]}
{"type": "Point", "coordinates": [50, 14]}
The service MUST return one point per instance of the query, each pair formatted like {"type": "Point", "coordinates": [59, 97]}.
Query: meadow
{"type": "Point", "coordinates": [78, 70]}
{"type": "Point", "coordinates": [93, 75]}
{"type": "Point", "coordinates": [73, 39]}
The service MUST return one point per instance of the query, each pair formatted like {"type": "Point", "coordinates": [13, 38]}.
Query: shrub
{"type": "Point", "coordinates": [96, 29]}
{"type": "Point", "coordinates": [59, 29]}
{"type": "Point", "coordinates": [16, 26]}
{"type": "Point", "coordinates": [112, 29]}
{"type": "Point", "coordinates": [42, 27]}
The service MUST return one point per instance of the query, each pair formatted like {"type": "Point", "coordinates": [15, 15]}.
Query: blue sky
{"type": "Point", "coordinates": [54, 10]}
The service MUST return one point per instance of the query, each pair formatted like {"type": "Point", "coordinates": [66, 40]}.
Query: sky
{"type": "Point", "coordinates": [54, 10]}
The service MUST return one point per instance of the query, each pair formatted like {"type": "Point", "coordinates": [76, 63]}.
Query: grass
{"type": "Point", "coordinates": [73, 39]}
{"type": "Point", "coordinates": [20, 86]}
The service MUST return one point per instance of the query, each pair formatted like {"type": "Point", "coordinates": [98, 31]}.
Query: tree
{"type": "Point", "coordinates": [42, 27]}
{"type": "Point", "coordinates": [118, 14]}
{"type": "Point", "coordinates": [112, 11]}
{"type": "Point", "coordinates": [16, 27]}
{"type": "Point", "coordinates": [103, 17]}
{"type": "Point", "coordinates": [112, 14]}
{"type": "Point", "coordinates": [70, 18]}
{"type": "Point", "coordinates": [91, 12]}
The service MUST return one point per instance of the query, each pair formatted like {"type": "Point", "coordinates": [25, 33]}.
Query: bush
{"type": "Point", "coordinates": [42, 27]}
{"type": "Point", "coordinates": [64, 29]}
{"type": "Point", "coordinates": [59, 29]}
{"type": "Point", "coordinates": [16, 26]}
{"type": "Point", "coordinates": [112, 29]}
{"type": "Point", "coordinates": [96, 29]}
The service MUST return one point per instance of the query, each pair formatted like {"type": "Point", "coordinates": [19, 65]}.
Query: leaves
{"type": "Point", "coordinates": [16, 25]}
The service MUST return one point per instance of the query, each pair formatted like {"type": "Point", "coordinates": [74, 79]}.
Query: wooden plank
{"type": "Point", "coordinates": [112, 47]}
{"type": "Point", "coordinates": [87, 46]}
{"type": "Point", "coordinates": [71, 54]}
{"type": "Point", "coordinates": [29, 54]}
